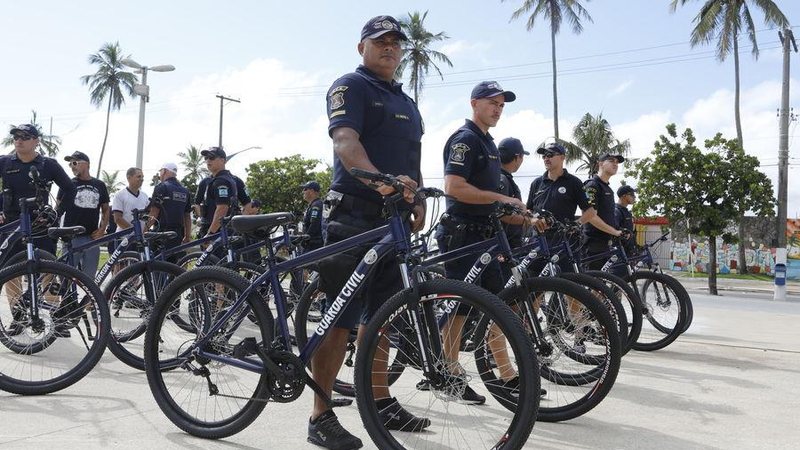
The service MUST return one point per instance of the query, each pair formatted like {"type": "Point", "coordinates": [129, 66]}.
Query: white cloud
{"type": "Point", "coordinates": [460, 47]}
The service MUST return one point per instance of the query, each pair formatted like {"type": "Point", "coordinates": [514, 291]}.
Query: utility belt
{"type": "Point", "coordinates": [337, 203]}
{"type": "Point", "coordinates": [460, 225]}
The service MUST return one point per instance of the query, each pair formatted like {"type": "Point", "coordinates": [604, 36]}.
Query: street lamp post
{"type": "Point", "coordinates": [143, 91]}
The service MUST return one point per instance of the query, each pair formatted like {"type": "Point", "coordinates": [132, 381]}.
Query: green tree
{"type": "Point", "coordinates": [276, 182]}
{"type": "Point", "coordinates": [111, 82]}
{"type": "Point", "coordinates": [418, 55]}
{"type": "Point", "coordinates": [112, 181]}
{"type": "Point", "coordinates": [195, 167]}
{"type": "Point", "coordinates": [689, 186]}
{"type": "Point", "coordinates": [49, 144]}
{"type": "Point", "coordinates": [723, 21]}
{"type": "Point", "coordinates": [592, 137]}
{"type": "Point", "coordinates": [553, 11]}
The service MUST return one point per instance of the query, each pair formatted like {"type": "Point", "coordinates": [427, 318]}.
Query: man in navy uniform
{"type": "Point", "coordinates": [472, 170]}
{"type": "Point", "coordinates": [626, 196]}
{"type": "Point", "coordinates": [599, 231]}
{"type": "Point", "coordinates": [171, 207]}
{"type": "Point", "coordinates": [200, 196]}
{"type": "Point", "coordinates": [312, 220]}
{"type": "Point", "coordinates": [221, 197]}
{"type": "Point", "coordinates": [374, 126]}
{"type": "Point", "coordinates": [512, 154]}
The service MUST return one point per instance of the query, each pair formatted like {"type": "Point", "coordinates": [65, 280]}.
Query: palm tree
{"type": "Point", "coordinates": [110, 81]}
{"type": "Point", "coordinates": [418, 55]}
{"type": "Point", "coordinates": [48, 143]}
{"type": "Point", "coordinates": [722, 21]}
{"type": "Point", "coordinates": [593, 137]}
{"type": "Point", "coordinates": [112, 181]}
{"type": "Point", "coordinates": [195, 167]}
{"type": "Point", "coordinates": [554, 11]}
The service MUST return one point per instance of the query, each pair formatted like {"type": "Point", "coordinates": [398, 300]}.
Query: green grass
{"type": "Point", "coordinates": [735, 276]}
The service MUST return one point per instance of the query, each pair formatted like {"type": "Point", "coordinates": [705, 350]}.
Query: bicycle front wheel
{"type": "Point", "coordinates": [409, 324]}
{"type": "Point", "coordinates": [218, 388]}
{"type": "Point", "coordinates": [53, 327]}
{"type": "Point", "coordinates": [665, 306]}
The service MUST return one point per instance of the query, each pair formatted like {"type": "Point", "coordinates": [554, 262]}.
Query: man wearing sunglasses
{"type": "Point", "coordinates": [89, 210]}
{"type": "Point", "coordinates": [221, 198]}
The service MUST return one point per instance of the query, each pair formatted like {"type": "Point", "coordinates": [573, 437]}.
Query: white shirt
{"type": "Point", "coordinates": [126, 201]}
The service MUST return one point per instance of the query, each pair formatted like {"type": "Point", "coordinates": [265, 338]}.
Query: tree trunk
{"type": "Point", "coordinates": [555, 80]}
{"type": "Point", "coordinates": [736, 114]}
{"type": "Point", "coordinates": [712, 265]}
{"type": "Point", "coordinates": [742, 261]}
{"type": "Point", "coordinates": [105, 138]}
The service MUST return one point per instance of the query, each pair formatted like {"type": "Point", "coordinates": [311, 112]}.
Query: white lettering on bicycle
{"type": "Point", "coordinates": [347, 292]}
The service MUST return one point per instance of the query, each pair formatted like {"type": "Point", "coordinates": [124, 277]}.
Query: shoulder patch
{"type": "Point", "coordinates": [458, 152]}
{"type": "Point", "coordinates": [222, 192]}
{"type": "Point", "coordinates": [337, 97]}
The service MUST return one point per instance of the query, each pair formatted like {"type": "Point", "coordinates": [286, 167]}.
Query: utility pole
{"type": "Point", "coordinates": [787, 38]}
{"type": "Point", "coordinates": [222, 98]}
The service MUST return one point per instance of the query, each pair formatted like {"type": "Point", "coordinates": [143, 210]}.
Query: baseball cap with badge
{"type": "Point", "coordinates": [510, 147]}
{"type": "Point", "coordinates": [77, 156]}
{"type": "Point", "coordinates": [214, 152]}
{"type": "Point", "coordinates": [311, 185]}
{"type": "Point", "coordinates": [380, 25]}
{"type": "Point", "coordinates": [625, 190]}
{"type": "Point", "coordinates": [26, 128]}
{"type": "Point", "coordinates": [605, 156]}
{"type": "Point", "coordinates": [552, 147]}
{"type": "Point", "coordinates": [486, 89]}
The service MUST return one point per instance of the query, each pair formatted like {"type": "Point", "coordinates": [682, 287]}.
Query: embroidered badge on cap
{"type": "Point", "coordinates": [457, 152]}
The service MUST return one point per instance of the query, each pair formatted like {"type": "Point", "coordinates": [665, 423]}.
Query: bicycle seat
{"type": "Point", "coordinates": [65, 232]}
{"type": "Point", "coordinates": [160, 236]}
{"type": "Point", "coordinates": [260, 222]}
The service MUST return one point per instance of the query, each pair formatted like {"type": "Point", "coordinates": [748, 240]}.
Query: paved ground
{"type": "Point", "coordinates": [729, 382]}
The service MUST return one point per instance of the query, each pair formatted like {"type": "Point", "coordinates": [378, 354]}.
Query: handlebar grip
{"type": "Point", "coordinates": [367, 175]}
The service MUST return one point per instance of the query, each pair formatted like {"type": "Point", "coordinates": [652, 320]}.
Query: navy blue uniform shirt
{"type": "Point", "coordinates": [312, 223]}
{"type": "Point", "coordinates": [509, 188]}
{"type": "Point", "coordinates": [388, 124]}
{"type": "Point", "coordinates": [17, 183]}
{"type": "Point", "coordinates": [471, 154]}
{"type": "Point", "coordinates": [600, 197]}
{"type": "Point", "coordinates": [561, 197]}
{"type": "Point", "coordinates": [173, 202]}
{"type": "Point", "coordinates": [221, 191]}
{"type": "Point", "coordinates": [624, 221]}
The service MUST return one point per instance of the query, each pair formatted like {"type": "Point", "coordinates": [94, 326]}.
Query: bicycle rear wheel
{"type": "Point", "coordinates": [453, 423]}
{"type": "Point", "coordinates": [51, 345]}
{"type": "Point", "coordinates": [664, 306]}
{"type": "Point", "coordinates": [630, 301]}
{"type": "Point", "coordinates": [608, 297]}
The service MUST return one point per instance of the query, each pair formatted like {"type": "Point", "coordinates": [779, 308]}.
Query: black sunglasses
{"type": "Point", "coordinates": [209, 158]}
{"type": "Point", "coordinates": [549, 155]}
{"type": "Point", "coordinates": [23, 137]}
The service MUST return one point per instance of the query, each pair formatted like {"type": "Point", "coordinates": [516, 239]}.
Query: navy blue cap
{"type": "Point", "coordinates": [77, 156]}
{"type": "Point", "coordinates": [216, 152]}
{"type": "Point", "coordinates": [510, 147]}
{"type": "Point", "coordinates": [311, 185]}
{"type": "Point", "coordinates": [380, 25]}
{"type": "Point", "coordinates": [486, 89]}
{"type": "Point", "coordinates": [605, 156]}
{"type": "Point", "coordinates": [27, 128]}
{"type": "Point", "coordinates": [625, 190]}
{"type": "Point", "coordinates": [553, 147]}
{"type": "Point", "coordinates": [256, 203]}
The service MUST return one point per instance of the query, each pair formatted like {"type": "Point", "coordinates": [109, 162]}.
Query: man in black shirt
{"type": "Point", "coordinates": [598, 233]}
{"type": "Point", "coordinates": [89, 209]}
{"type": "Point", "coordinates": [626, 196]}
{"type": "Point", "coordinates": [511, 156]}
{"type": "Point", "coordinates": [221, 198]}
{"type": "Point", "coordinates": [312, 220]}
{"type": "Point", "coordinates": [171, 207]}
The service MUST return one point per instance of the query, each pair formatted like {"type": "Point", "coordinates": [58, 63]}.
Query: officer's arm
{"type": "Point", "coordinates": [314, 227]}
{"type": "Point", "coordinates": [187, 227]}
{"type": "Point", "coordinates": [601, 225]}
{"type": "Point", "coordinates": [458, 187]}
{"type": "Point", "coordinates": [220, 212]}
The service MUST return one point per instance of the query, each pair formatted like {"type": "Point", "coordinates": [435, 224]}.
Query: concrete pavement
{"type": "Point", "coordinates": [729, 382]}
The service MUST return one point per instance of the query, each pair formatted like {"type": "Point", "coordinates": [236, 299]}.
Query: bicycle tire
{"type": "Point", "coordinates": [630, 302]}
{"type": "Point", "coordinates": [573, 389]}
{"type": "Point", "coordinates": [609, 298]}
{"type": "Point", "coordinates": [192, 375]}
{"type": "Point", "coordinates": [187, 260]}
{"type": "Point", "coordinates": [664, 307]}
{"type": "Point", "coordinates": [519, 418]}
{"type": "Point", "coordinates": [127, 299]}
{"type": "Point", "coordinates": [81, 313]}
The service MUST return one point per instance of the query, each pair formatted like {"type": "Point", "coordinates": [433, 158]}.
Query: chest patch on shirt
{"type": "Point", "coordinates": [458, 152]}
{"type": "Point", "coordinates": [401, 117]}
{"type": "Point", "coordinates": [562, 190]}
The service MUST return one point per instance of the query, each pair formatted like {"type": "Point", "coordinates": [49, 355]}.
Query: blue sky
{"type": "Point", "coordinates": [633, 64]}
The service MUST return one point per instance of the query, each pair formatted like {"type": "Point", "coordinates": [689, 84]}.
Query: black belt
{"type": "Point", "coordinates": [468, 225]}
{"type": "Point", "coordinates": [364, 208]}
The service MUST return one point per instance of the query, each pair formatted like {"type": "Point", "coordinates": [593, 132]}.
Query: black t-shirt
{"type": "Point", "coordinates": [509, 188]}
{"type": "Point", "coordinates": [470, 153]}
{"type": "Point", "coordinates": [85, 209]}
{"type": "Point", "coordinates": [312, 222]}
{"type": "Point", "coordinates": [600, 197]}
{"type": "Point", "coordinates": [561, 197]}
{"type": "Point", "coordinates": [624, 220]}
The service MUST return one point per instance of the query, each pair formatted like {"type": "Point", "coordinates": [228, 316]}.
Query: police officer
{"type": "Point", "coordinates": [374, 126]}
{"type": "Point", "coordinates": [598, 232]}
{"type": "Point", "coordinates": [626, 196]}
{"type": "Point", "coordinates": [17, 183]}
{"type": "Point", "coordinates": [200, 197]}
{"type": "Point", "coordinates": [312, 220]}
{"type": "Point", "coordinates": [472, 170]}
{"type": "Point", "coordinates": [170, 207]}
{"type": "Point", "coordinates": [511, 156]}
{"type": "Point", "coordinates": [221, 197]}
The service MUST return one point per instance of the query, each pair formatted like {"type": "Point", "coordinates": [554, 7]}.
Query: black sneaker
{"type": "Point", "coordinates": [470, 397]}
{"type": "Point", "coordinates": [397, 418]}
{"type": "Point", "coordinates": [513, 386]}
{"type": "Point", "coordinates": [18, 319]}
{"type": "Point", "coordinates": [326, 431]}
